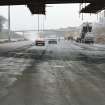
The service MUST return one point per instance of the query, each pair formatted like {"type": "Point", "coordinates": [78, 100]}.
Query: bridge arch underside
{"type": "Point", "coordinates": [38, 6]}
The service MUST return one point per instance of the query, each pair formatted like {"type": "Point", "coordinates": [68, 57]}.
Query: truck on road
{"type": "Point", "coordinates": [86, 35]}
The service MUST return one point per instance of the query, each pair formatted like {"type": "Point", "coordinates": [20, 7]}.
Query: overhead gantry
{"type": "Point", "coordinates": [38, 6]}
{"type": "Point", "coordinates": [94, 7]}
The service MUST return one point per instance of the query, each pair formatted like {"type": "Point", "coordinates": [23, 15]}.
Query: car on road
{"type": "Point", "coordinates": [52, 41]}
{"type": "Point", "coordinates": [40, 42]}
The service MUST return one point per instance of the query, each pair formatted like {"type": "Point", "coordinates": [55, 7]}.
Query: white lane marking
{"type": "Point", "coordinates": [58, 66]}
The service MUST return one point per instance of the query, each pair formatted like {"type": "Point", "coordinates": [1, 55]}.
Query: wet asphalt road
{"type": "Point", "coordinates": [64, 74]}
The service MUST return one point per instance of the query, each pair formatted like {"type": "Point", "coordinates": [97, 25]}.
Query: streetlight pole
{"type": "Point", "coordinates": [9, 39]}
{"type": "Point", "coordinates": [38, 22]}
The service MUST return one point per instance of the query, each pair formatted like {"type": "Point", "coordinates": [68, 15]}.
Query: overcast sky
{"type": "Point", "coordinates": [57, 16]}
